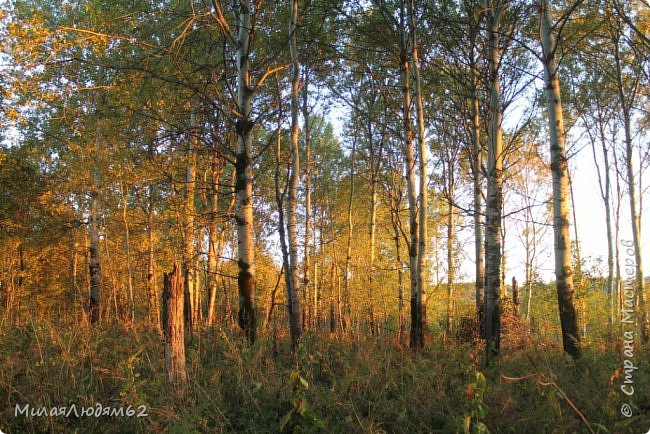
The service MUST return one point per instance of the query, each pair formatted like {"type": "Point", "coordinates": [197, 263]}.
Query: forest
{"type": "Point", "coordinates": [326, 216]}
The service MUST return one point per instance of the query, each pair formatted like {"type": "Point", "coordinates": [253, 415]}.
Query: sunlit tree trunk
{"type": "Point", "coordinates": [372, 233]}
{"type": "Point", "coordinates": [154, 305]}
{"type": "Point", "coordinates": [189, 210]}
{"type": "Point", "coordinates": [244, 173]}
{"type": "Point", "coordinates": [420, 299]}
{"type": "Point", "coordinates": [451, 240]}
{"type": "Point", "coordinates": [174, 332]}
{"type": "Point", "coordinates": [494, 204]}
{"type": "Point", "coordinates": [214, 244]}
{"type": "Point", "coordinates": [348, 251]}
{"type": "Point", "coordinates": [93, 235]}
{"type": "Point", "coordinates": [477, 162]}
{"type": "Point", "coordinates": [515, 295]}
{"type": "Point", "coordinates": [625, 102]}
{"type": "Point", "coordinates": [605, 186]}
{"type": "Point", "coordinates": [416, 338]}
{"type": "Point", "coordinates": [559, 169]}
{"type": "Point", "coordinates": [293, 295]}
{"type": "Point", "coordinates": [308, 214]}
{"type": "Point", "coordinates": [127, 250]}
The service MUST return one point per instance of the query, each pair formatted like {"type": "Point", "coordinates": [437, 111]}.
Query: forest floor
{"type": "Point", "coordinates": [335, 384]}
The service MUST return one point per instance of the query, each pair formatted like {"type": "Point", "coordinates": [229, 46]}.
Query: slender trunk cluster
{"type": "Point", "coordinates": [417, 201]}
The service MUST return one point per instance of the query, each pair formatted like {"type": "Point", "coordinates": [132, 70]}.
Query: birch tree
{"type": "Point", "coordinates": [559, 171]}
{"type": "Point", "coordinates": [494, 13]}
{"type": "Point", "coordinates": [295, 313]}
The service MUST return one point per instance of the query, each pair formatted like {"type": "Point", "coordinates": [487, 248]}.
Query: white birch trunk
{"type": "Point", "coordinates": [244, 173]}
{"type": "Point", "coordinates": [559, 170]}
{"type": "Point", "coordinates": [494, 190]}
{"type": "Point", "coordinates": [295, 312]}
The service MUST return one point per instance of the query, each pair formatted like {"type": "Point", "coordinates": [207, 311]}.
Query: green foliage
{"type": "Point", "coordinates": [301, 418]}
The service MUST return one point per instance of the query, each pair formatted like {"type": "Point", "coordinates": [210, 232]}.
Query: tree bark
{"type": "Point", "coordinates": [395, 200]}
{"type": "Point", "coordinates": [189, 210]}
{"type": "Point", "coordinates": [93, 235]}
{"type": "Point", "coordinates": [494, 204]}
{"type": "Point", "coordinates": [244, 174]}
{"type": "Point", "coordinates": [416, 335]}
{"type": "Point", "coordinates": [214, 246]}
{"type": "Point", "coordinates": [293, 295]}
{"type": "Point", "coordinates": [477, 162]}
{"type": "Point", "coordinates": [625, 102]}
{"type": "Point", "coordinates": [154, 305]}
{"type": "Point", "coordinates": [127, 250]}
{"type": "Point", "coordinates": [346, 322]}
{"type": "Point", "coordinates": [559, 169]}
{"type": "Point", "coordinates": [515, 296]}
{"type": "Point", "coordinates": [308, 214]}
{"type": "Point", "coordinates": [173, 329]}
{"type": "Point", "coordinates": [605, 186]}
{"type": "Point", "coordinates": [420, 300]}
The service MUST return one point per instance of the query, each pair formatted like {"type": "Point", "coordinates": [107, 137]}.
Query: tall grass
{"type": "Point", "coordinates": [333, 385]}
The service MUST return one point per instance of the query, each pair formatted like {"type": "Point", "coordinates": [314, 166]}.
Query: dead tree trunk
{"type": "Point", "coordinates": [173, 328]}
{"type": "Point", "coordinates": [515, 295]}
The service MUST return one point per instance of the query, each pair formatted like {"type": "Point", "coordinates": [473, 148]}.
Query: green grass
{"type": "Point", "coordinates": [333, 385]}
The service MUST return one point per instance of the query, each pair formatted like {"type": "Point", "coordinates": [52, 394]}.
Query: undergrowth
{"type": "Point", "coordinates": [333, 385]}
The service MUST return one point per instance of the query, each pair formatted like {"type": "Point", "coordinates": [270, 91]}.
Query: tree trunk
{"type": "Point", "coordinates": [93, 235]}
{"type": "Point", "coordinates": [244, 173]}
{"type": "Point", "coordinates": [559, 169]}
{"type": "Point", "coordinates": [420, 297]}
{"type": "Point", "coordinates": [400, 274]}
{"type": "Point", "coordinates": [416, 339]}
{"type": "Point", "coordinates": [494, 204]}
{"type": "Point", "coordinates": [293, 295]}
{"type": "Point", "coordinates": [372, 234]}
{"type": "Point", "coordinates": [154, 304]}
{"type": "Point", "coordinates": [308, 214]}
{"type": "Point", "coordinates": [189, 210]}
{"type": "Point", "coordinates": [282, 230]}
{"type": "Point", "coordinates": [173, 329]}
{"type": "Point", "coordinates": [127, 250]}
{"type": "Point", "coordinates": [515, 296]}
{"type": "Point", "coordinates": [477, 162]}
{"type": "Point", "coordinates": [605, 186]}
{"type": "Point", "coordinates": [213, 248]}
{"type": "Point", "coordinates": [451, 240]}
{"type": "Point", "coordinates": [625, 102]}
{"type": "Point", "coordinates": [348, 254]}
